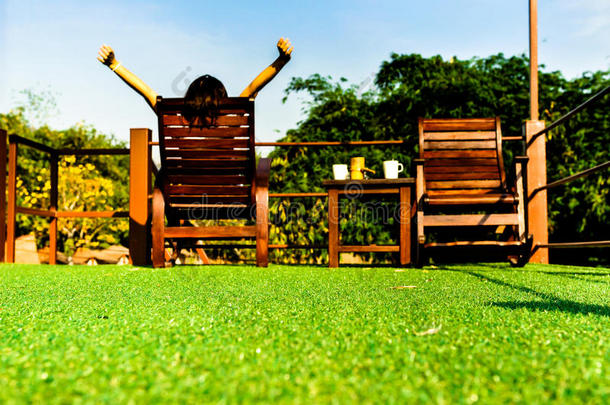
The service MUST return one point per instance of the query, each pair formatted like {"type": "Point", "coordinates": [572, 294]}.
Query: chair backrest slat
{"type": "Point", "coordinates": [205, 164]}
{"type": "Point", "coordinates": [462, 156]}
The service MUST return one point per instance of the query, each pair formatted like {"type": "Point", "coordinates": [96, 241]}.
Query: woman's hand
{"type": "Point", "coordinates": [106, 56]}
{"type": "Point", "coordinates": [285, 48]}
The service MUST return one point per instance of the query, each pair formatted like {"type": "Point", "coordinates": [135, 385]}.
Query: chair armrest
{"type": "Point", "coordinates": [420, 182]}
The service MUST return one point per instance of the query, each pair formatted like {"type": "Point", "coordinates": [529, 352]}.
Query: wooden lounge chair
{"type": "Point", "coordinates": [461, 183]}
{"type": "Point", "coordinates": [209, 173]}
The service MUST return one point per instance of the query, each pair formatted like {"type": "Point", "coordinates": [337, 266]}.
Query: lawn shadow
{"type": "Point", "coordinates": [549, 303]}
{"type": "Point", "coordinates": [556, 305]}
{"type": "Point", "coordinates": [579, 275]}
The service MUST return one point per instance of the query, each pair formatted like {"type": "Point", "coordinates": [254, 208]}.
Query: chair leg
{"type": "Point", "coordinates": [262, 227]}
{"type": "Point", "coordinates": [158, 229]}
{"type": "Point", "coordinates": [419, 255]}
{"type": "Point", "coordinates": [262, 241]}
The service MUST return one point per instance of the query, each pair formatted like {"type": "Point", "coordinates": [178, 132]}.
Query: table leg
{"type": "Point", "coordinates": [405, 225]}
{"type": "Point", "coordinates": [333, 228]}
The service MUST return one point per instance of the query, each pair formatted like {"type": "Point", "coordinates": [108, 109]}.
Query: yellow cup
{"type": "Point", "coordinates": [357, 168]}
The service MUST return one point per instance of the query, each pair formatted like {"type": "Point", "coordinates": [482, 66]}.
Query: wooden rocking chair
{"type": "Point", "coordinates": [209, 173]}
{"type": "Point", "coordinates": [461, 183]}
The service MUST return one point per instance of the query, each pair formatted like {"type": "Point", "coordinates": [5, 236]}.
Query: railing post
{"type": "Point", "coordinates": [537, 209]}
{"type": "Point", "coordinates": [140, 189]}
{"type": "Point", "coordinates": [11, 202]}
{"type": "Point", "coordinates": [53, 208]}
{"type": "Point", "coordinates": [2, 194]}
{"type": "Point", "coordinates": [533, 14]}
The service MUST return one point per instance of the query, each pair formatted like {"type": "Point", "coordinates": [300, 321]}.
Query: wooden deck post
{"type": "Point", "coordinates": [53, 208]}
{"type": "Point", "coordinates": [2, 193]}
{"type": "Point", "coordinates": [11, 209]}
{"type": "Point", "coordinates": [533, 12]}
{"type": "Point", "coordinates": [537, 209]}
{"type": "Point", "coordinates": [140, 189]}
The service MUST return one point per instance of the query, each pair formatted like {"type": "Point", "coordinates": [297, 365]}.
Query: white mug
{"type": "Point", "coordinates": [391, 168]}
{"type": "Point", "coordinates": [340, 172]}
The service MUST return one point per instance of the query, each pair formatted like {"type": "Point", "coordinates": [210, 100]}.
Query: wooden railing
{"type": "Point", "coordinates": [140, 170]}
{"type": "Point", "coordinates": [599, 243]}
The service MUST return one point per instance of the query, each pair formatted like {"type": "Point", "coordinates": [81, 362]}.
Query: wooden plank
{"type": "Point", "coordinates": [369, 183]}
{"type": "Point", "coordinates": [92, 214]}
{"type": "Point", "coordinates": [230, 103]}
{"type": "Point", "coordinates": [220, 179]}
{"type": "Point", "coordinates": [456, 124]}
{"type": "Point", "coordinates": [296, 195]}
{"type": "Point", "coordinates": [461, 162]}
{"type": "Point", "coordinates": [32, 144]}
{"type": "Point", "coordinates": [464, 191]}
{"type": "Point", "coordinates": [298, 246]}
{"type": "Point", "coordinates": [360, 191]}
{"type": "Point", "coordinates": [460, 136]}
{"type": "Point", "coordinates": [214, 212]}
{"type": "Point", "coordinates": [223, 120]}
{"type": "Point", "coordinates": [460, 169]}
{"type": "Point", "coordinates": [35, 211]}
{"type": "Point", "coordinates": [473, 184]}
{"type": "Point", "coordinates": [209, 199]}
{"type": "Point", "coordinates": [187, 132]}
{"type": "Point", "coordinates": [471, 220]}
{"type": "Point", "coordinates": [463, 176]}
{"type": "Point", "coordinates": [228, 232]}
{"type": "Point", "coordinates": [211, 164]}
{"type": "Point", "coordinates": [206, 206]}
{"type": "Point", "coordinates": [369, 248]}
{"type": "Point", "coordinates": [93, 152]}
{"type": "Point", "coordinates": [206, 171]}
{"type": "Point", "coordinates": [465, 243]}
{"type": "Point", "coordinates": [449, 154]}
{"type": "Point", "coordinates": [331, 143]}
{"type": "Point", "coordinates": [471, 200]}
{"type": "Point", "coordinates": [207, 143]}
{"type": "Point", "coordinates": [208, 153]}
{"type": "Point", "coordinates": [204, 189]}
{"type": "Point", "coordinates": [459, 144]}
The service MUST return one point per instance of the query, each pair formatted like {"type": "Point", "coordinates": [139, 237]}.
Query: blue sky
{"type": "Point", "coordinates": [52, 45]}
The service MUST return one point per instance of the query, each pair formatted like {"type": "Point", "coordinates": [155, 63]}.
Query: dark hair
{"type": "Point", "coordinates": [201, 100]}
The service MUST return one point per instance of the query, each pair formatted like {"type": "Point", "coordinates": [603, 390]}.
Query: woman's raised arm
{"type": "Point", "coordinates": [285, 49]}
{"type": "Point", "coordinates": [106, 56]}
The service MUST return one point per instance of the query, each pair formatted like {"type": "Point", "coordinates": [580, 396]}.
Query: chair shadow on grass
{"type": "Point", "coordinates": [550, 302]}
{"type": "Point", "coordinates": [580, 276]}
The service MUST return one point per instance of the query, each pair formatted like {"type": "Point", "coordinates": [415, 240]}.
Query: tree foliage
{"type": "Point", "coordinates": [410, 86]}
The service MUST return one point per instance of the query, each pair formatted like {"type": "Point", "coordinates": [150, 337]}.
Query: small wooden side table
{"type": "Point", "coordinates": [355, 188]}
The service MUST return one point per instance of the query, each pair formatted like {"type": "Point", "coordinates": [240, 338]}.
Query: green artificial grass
{"type": "Point", "coordinates": [467, 333]}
